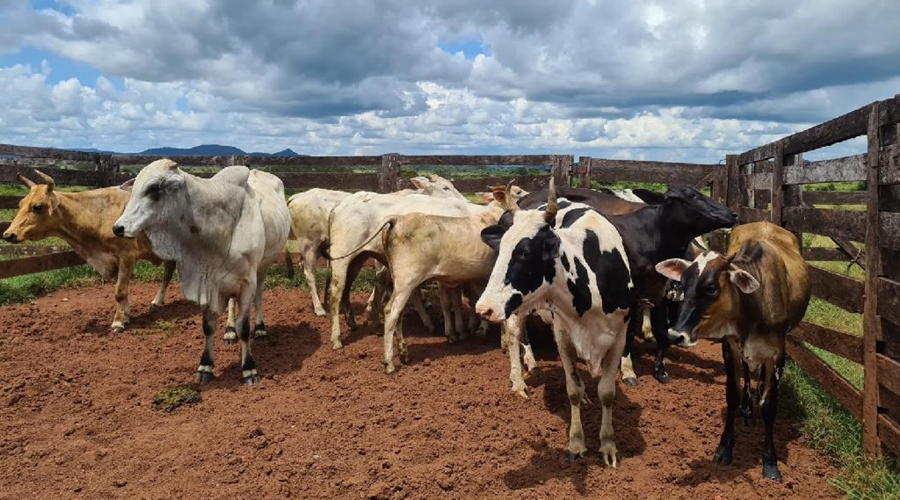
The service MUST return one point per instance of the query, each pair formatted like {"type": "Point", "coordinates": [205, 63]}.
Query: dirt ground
{"type": "Point", "coordinates": [76, 418]}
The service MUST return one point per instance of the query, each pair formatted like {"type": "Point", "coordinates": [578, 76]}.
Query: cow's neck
{"type": "Point", "coordinates": [71, 212]}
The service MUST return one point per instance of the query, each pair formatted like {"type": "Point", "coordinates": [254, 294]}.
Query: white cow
{"type": "Point", "coordinates": [215, 231]}
{"type": "Point", "coordinates": [356, 225]}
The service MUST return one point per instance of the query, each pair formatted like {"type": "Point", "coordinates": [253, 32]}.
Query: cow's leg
{"type": "Point", "coordinates": [259, 328]}
{"type": "Point", "coordinates": [394, 313]}
{"type": "Point", "coordinates": [309, 271]}
{"type": "Point", "coordinates": [732, 357]}
{"type": "Point", "coordinates": [419, 305]}
{"type": "Point", "coordinates": [123, 279]}
{"type": "Point", "coordinates": [606, 392]}
{"type": "Point", "coordinates": [375, 302]}
{"type": "Point", "coordinates": [446, 304]}
{"type": "Point", "coordinates": [575, 391]}
{"type": "Point", "coordinates": [459, 321]}
{"type": "Point", "coordinates": [168, 271]}
{"type": "Point", "coordinates": [352, 272]}
{"type": "Point", "coordinates": [249, 375]}
{"type": "Point", "coordinates": [204, 373]}
{"type": "Point", "coordinates": [659, 322]}
{"type": "Point", "coordinates": [230, 336]}
{"type": "Point", "coordinates": [768, 405]}
{"type": "Point", "coordinates": [514, 326]}
{"type": "Point", "coordinates": [634, 327]}
{"type": "Point", "coordinates": [747, 398]}
{"type": "Point", "coordinates": [336, 291]}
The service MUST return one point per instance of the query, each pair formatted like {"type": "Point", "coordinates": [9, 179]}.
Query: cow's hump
{"type": "Point", "coordinates": [237, 175]}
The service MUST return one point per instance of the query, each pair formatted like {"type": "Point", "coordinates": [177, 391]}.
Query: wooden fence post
{"type": "Point", "coordinates": [778, 185]}
{"type": "Point", "coordinates": [584, 177]}
{"type": "Point", "coordinates": [732, 183]}
{"type": "Point", "coordinates": [561, 168]}
{"type": "Point", "coordinates": [793, 194]}
{"type": "Point", "coordinates": [871, 320]}
{"type": "Point", "coordinates": [107, 168]}
{"type": "Point", "coordinates": [390, 169]}
{"type": "Point", "coordinates": [719, 194]}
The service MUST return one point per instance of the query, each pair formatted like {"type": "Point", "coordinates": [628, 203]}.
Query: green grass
{"type": "Point", "coordinates": [25, 288]}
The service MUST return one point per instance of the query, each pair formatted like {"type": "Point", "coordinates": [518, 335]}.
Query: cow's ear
{"type": "Point", "coordinates": [492, 235]}
{"type": "Point", "coordinates": [127, 185]}
{"type": "Point", "coordinates": [500, 196]}
{"type": "Point", "coordinates": [419, 182]}
{"type": "Point", "coordinates": [485, 197]}
{"type": "Point", "coordinates": [745, 281]}
{"type": "Point", "coordinates": [673, 268]}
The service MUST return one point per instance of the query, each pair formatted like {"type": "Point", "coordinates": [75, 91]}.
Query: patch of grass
{"type": "Point", "coordinates": [836, 186]}
{"type": "Point", "coordinates": [827, 427]}
{"type": "Point", "coordinates": [25, 288]}
{"type": "Point", "coordinates": [168, 400]}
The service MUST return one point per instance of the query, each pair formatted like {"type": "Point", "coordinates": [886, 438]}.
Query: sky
{"type": "Point", "coordinates": [679, 80]}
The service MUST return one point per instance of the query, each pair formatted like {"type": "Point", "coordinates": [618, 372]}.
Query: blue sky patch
{"type": "Point", "coordinates": [470, 47]}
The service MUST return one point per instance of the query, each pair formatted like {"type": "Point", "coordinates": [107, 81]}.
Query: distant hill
{"type": "Point", "coordinates": [284, 153]}
{"type": "Point", "coordinates": [203, 150]}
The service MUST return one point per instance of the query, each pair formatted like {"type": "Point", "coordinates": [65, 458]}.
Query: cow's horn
{"type": "Point", "coordinates": [511, 203]}
{"type": "Point", "coordinates": [552, 206]}
{"type": "Point", "coordinates": [46, 178]}
{"type": "Point", "coordinates": [25, 181]}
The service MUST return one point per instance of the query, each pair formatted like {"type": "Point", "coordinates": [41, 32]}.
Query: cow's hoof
{"type": "Point", "coordinates": [521, 391]}
{"type": "Point", "coordinates": [572, 456]}
{"type": "Point", "coordinates": [610, 454]}
{"type": "Point", "coordinates": [204, 377]}
{"type": "Point", "coordinates": [722, 456]}
{"type": "Point", "coordinates": [404, 358]}
{"type": "Point", "coordinates": [662, 377]}
{"type": "Point", "coordinates": [250, 380]}
{"type": "Point", "coordinates": [260, 336]}
{"type": "Point", "coordinates": [770, 471]}
{"type": "Point", "coordinates": [117, 328]}
{"type": "Point", "coordinates": [230, 336]}
{"type": "Point", "coordinates": [389, 368]}
{"type": "Point", "coordinates": [320, 312]}
{"type": "Point", "coordinates": [632, 381]}
{"type": "Point", "coordinates": [155, 307]}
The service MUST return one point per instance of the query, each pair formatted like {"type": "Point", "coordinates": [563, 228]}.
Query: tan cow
{"type": "Point", "coordinates": [85, 221]}
{"type": "Point", "coordinates": [748, 300]}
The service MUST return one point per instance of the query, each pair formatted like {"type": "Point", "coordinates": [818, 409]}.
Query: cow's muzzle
{"type": "Point", "coordinates": [10, 237]}
{"type": "Point", "coordinates": [489, 313]}
{"type": "Point", "coordinates": [119, 230]}
{"type": "Point", "coordinates": [681, 338]}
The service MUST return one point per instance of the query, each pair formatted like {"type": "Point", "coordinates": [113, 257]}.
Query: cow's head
{"type": "Point", "coordinates": [526, 261]}
{"type": "Point", "coordinates": [437, 186]}
{"type": "Point", "coordinates": [711, 284]}
{"type": "Point", "coordinates": [155, 195]}
{"type": "Point", "coordinates": [688, 207]}
{"type": "Point", "coordinates": [38, 215]}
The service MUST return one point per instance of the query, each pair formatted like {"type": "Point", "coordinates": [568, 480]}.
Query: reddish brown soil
{"type": "Point", "coordinates": [76, 419]}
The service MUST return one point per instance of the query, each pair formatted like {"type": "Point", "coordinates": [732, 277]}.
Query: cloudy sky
{"type": "Point", "coordinates": [680, 80]}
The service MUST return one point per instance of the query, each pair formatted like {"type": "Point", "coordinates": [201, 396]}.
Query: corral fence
{"type": "Point", "coordinates": [765, 183]}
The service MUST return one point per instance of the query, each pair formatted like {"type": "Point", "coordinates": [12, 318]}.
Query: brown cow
{"type": "Point", "coordinates": [748, 300]}
{"type": "Point", "coordinates": [85, 221]}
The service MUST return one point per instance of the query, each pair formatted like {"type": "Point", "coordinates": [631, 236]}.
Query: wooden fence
{"type": "Point", "coordinates": [761, 184]}
{"type": "Point", "coordinates": [765, 184]}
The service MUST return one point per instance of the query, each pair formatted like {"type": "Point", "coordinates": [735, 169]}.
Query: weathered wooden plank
{"type": "Point", "coordinates": [844, 292]}
{"type": "Point", "coordinates": [831, 381]}
{"type": "Point", "coordinates": [777, 189]}
{"type": "Point", "coordinates": [63, 177]}
{"type": "Point", "coordinates": [9, 202]}
{"type": "Point", "coordinates": [888, 373]}
{"type": "Point", "coordinates": [889, 228]}
{"type": "Point", "coordinates": [526, 182]}
{"type": "Point", "coordinates": [31, 250]}
{"type": "Point", "coordinates": [760, 153]}
{"type": "Point", "coordinates": [604, 170]}
{"type": "Point", "coordinates": [889, 434]}
{"type": "Point", "coordinates": [387, 177]}
{"type": "Point", "coordinates": [837, 223]}
{"type": "Point", "coordinates": [732, 183]}
{"type": "Point", "coordinates": [759, 181]}
{"type": "Point", "coordinates": [833, 341]}
{"type": "Point", "coordinates": [823, 254]}
{"type": "Point", "coordinates": [29, 265]}
{"type": "Point", "coordinates": [871, 321]}
{"type": "Point", "coordinates": [336, 181]}
{"type": "Point", "coordinates": [834, 197]}
{"type": "Point", "coordinates": [583, 171]}
{"type": "Point", "coordinates": [257, 161]}
{"type": "Point", "coordinates": [478, 160]}
{"type": "Point", "coordinates": [846, 169]}
{"type": "Point", "coordinates": [889, 300]}
{"type": "Point", "coordinates": [56, 154]}
{"type": "Point", "coordinates": [746, 215]}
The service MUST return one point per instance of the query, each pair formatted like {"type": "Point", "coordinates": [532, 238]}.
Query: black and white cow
{"type": "Point", "coordinates": [571, 261]}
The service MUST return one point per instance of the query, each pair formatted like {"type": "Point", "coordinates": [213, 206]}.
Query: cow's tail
{"type": "Point", "coordinates": [386, 231]}
{"type": "Point", "coordinates": [360, 246]}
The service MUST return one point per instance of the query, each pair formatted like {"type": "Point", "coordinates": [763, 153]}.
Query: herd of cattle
{"type": "Point", "coordinates": [589, 262]}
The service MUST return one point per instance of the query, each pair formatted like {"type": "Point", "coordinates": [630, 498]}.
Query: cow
{"type": "Point", "coordinates": [748, 299]}
{"type": "Point", "coordinates": [219, 235]}
{"type": "Point", "coordinates": [355, 235]}
{"type": "Point", "coordinates": [571, 261]}
{"type": "Point", "coordinates": [419, 247]}
{"type": "Point", "coordinates": [651, 233]}
{"type": "Point", "coordinates": [84, 220]}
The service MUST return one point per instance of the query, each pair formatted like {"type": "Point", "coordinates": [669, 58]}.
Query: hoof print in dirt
{"type": "Point", "coordinates": [169, 399]}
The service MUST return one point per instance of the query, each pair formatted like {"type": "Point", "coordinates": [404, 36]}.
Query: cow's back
{"type": "Point", "coordinates": [772, 255]}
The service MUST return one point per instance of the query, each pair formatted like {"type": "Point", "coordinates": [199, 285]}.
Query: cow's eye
{"type": "Point", "coordinates": [37, 208]}
{"type": "Point", "coordinates": [525, 254]}
{"type": "Point", "coordinates": [154, 191]}
{"type": "Point", "coordinates": [711, 289]}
